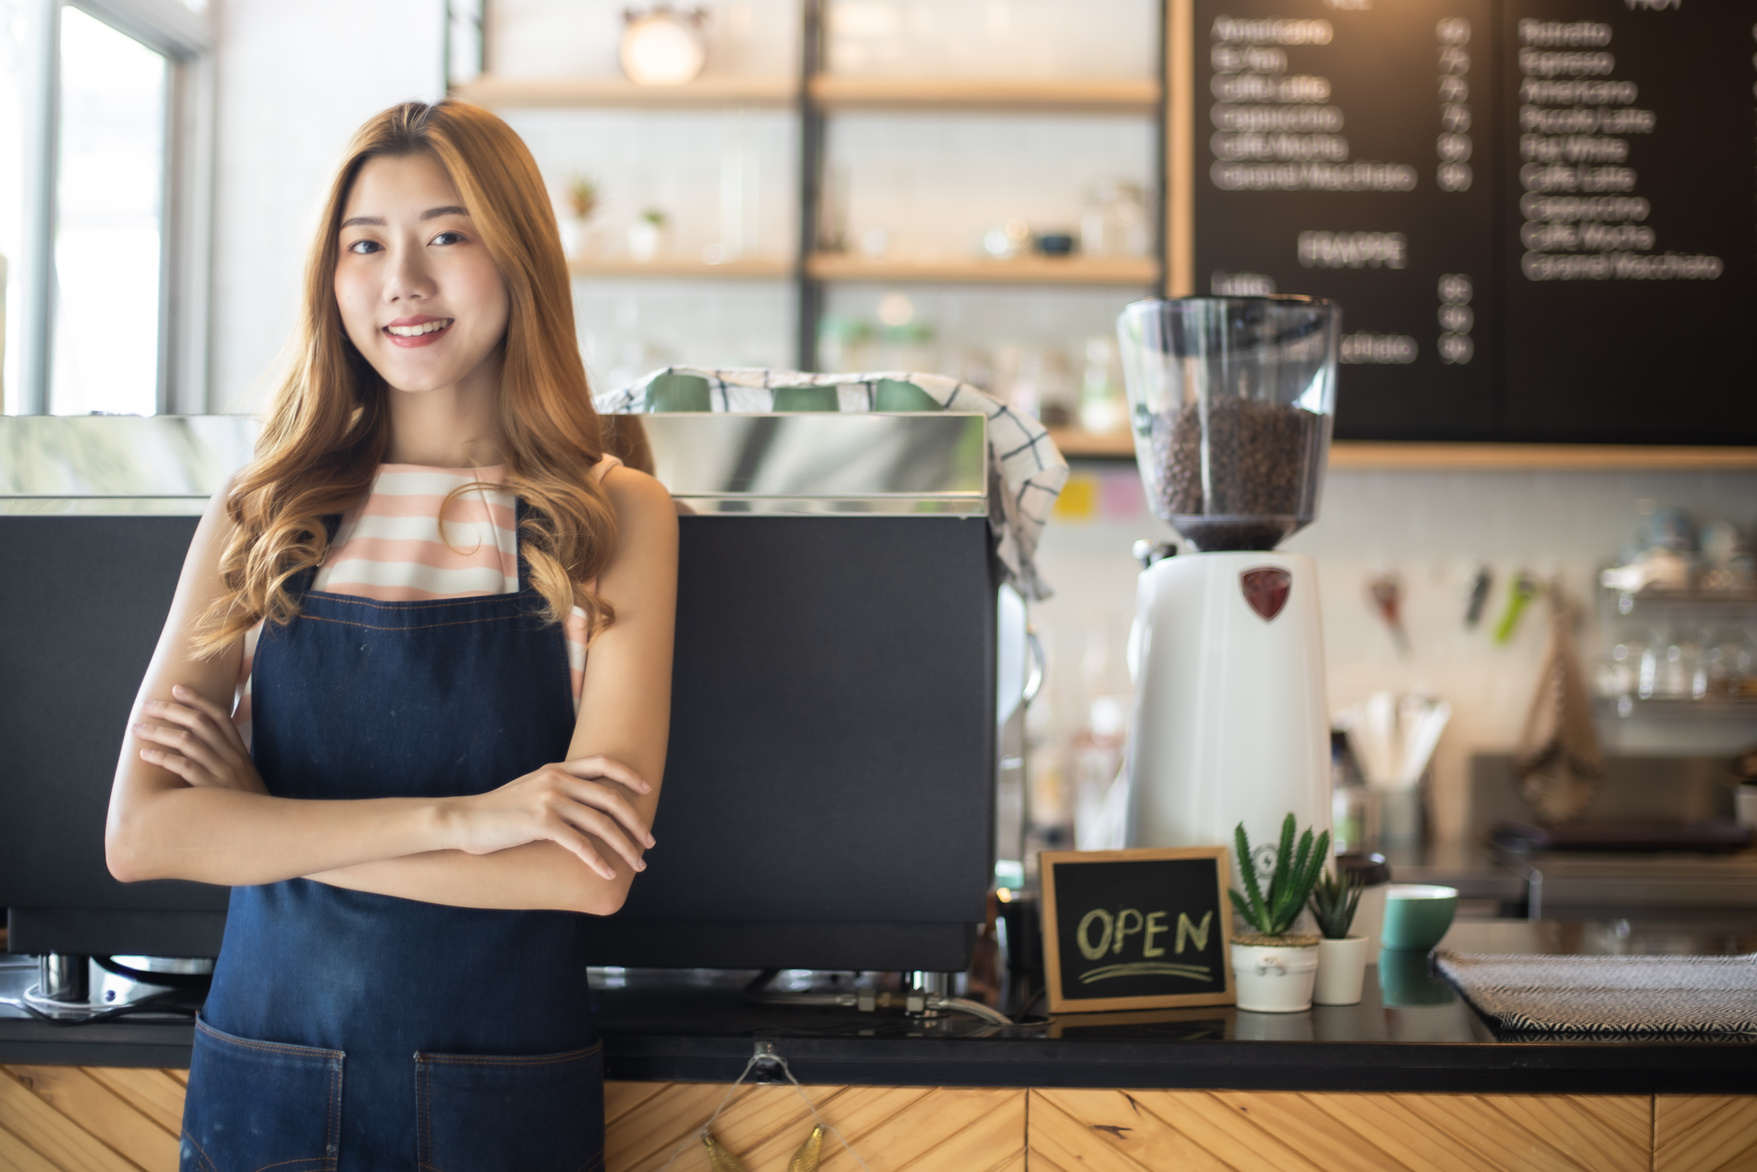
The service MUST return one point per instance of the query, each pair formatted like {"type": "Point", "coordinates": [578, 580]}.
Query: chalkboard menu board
{"type": "Point", "coordinates": [1539, 216]}
{"type": "Point", "coordinates": [1136, 929]}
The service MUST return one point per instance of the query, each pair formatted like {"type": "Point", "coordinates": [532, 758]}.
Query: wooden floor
{"type": "Point", "coordinates": [98, 1119]}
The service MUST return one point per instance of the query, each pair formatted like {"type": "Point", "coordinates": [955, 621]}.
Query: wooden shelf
{"type": "Point", "coordinates": [1024, 270]}
{"type": "Point", "coordinates": [1083, 445]}
{"type": "Point", "coordinates": [616, 93]}
{"type": "Point", "coordinates": [1358, 455]}
{"type": "Point", "coordinates": [1076, 96]}
{"type": "Point", "coordinates": [622, 266]}
{"type": "Point", "coordinates": [1487, 457]}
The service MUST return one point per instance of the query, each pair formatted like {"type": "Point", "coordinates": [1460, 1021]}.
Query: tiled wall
{"type": "Point", "coordinates": [1434, 530]}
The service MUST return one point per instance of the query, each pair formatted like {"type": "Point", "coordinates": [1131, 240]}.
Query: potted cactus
{"type": "Point", "coordinates": [581, 202]}
{"type": "Point", "coordinates": [1342, 958]}
{"type": "Point", "coordinates": [1273, 968]}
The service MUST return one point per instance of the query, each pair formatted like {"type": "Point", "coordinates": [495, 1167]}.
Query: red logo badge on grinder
{"type": "Point", "coordinates": [1266, 590]}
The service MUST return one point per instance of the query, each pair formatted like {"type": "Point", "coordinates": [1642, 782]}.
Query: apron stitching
{"type": "Point", "coordinates": [427, 1110]}
{"type": "Point", "coordinates": [333, 1139]}
{"type": "Point", "coordinates": [199, 1150]}
{"type": "Point", "coordinates": [409, 604]}
{"type": "Point", "coordinates": [273, 1047]}
{"type": "Point", "coordinates": [422, 627]}
{"type": "Point", "coordinates": [510, 1059]}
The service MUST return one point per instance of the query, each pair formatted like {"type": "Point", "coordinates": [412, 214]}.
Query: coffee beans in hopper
{"type": "Point", "coordinates": [1260, 455]}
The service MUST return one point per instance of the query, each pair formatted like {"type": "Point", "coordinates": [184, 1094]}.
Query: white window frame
{"type": "Point", "coordinates": [185, 263]}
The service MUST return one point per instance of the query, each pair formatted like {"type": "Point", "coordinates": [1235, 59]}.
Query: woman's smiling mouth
{"type": "Point", "coordinates": [417, 331]}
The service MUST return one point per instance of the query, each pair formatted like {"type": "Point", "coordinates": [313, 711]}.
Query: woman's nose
{"type": "Point", "coordinates": [409, 277]}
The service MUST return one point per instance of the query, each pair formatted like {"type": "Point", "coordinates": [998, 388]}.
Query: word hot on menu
{"type": "Point", "coordinates": [1539, 216]}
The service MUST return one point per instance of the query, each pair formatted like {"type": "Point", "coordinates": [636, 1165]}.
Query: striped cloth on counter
{"type": "Point", "coordinates": [1609, 996]}
{"type": "Point", "coordinates": [1021, 456]}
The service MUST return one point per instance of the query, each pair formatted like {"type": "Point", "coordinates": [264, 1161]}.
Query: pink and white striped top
{"type": "Point", "coordinates": [396, 547]}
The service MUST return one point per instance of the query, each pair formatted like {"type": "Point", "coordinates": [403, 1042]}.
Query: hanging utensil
{"type": "Point", "coordinates": [1479, 595]}
{"type": "Point", "coordinates": [1523, 591]}
{"type": "Point", "coordinates": [1386, 592]}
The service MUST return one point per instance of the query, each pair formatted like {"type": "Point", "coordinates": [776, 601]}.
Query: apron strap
{"type": "Point", "coordinates": [518, 521]}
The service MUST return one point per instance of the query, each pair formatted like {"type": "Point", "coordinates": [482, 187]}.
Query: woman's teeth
{"type": "Point", "coordinates": [417, 331]}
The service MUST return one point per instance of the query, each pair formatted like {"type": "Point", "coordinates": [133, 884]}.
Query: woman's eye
{"type": "Point", "coordinates": [363, 246]}
{"type": "Point", "coordinates": [449, 238]}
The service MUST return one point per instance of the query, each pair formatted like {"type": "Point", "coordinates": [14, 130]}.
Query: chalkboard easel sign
{"type": "Point", "coordinates": [1137, 929]}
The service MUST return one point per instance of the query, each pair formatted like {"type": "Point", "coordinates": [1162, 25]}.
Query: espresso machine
{"type": "Point", "coordinates": [1231, 401]}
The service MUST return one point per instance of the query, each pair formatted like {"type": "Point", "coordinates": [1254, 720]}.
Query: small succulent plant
{"type": "Point", "coordinates": [1296, 872]}
{"type": "Point", "coordinates": [582, 197]}
{"type": "Point", "coordinates": [1334, 899]}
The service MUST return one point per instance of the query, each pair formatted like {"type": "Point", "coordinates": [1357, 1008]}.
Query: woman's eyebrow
{"type": "Point", "coordinates": [429, 214]}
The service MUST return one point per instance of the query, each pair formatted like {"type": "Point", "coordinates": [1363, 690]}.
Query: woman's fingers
{"type": "Point", "coordinates": [197, 721]}
{"type": "Point", "coordinates": [186, 743]}
{"type": "Point", "coordinates": [612, 803]}
{"type": "Point", "coordinates": [220, 716]}
{"type": "Point", "coordinates": [609, 769]}
{"type": "Point", "coordinates": [201, 703]}
{"type": "Point", "coordinates": [570, 839]}
{"type": "Point", "coordinates": [182, 766]}
{"type": "Point", "coordinates": [597, 823]}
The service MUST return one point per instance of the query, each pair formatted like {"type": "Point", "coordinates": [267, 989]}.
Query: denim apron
{"type": "Point", "coordinates": [352, 1032]}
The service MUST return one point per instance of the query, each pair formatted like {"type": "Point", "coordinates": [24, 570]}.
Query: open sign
{"type": "Point", "coordinates": [1136, 929]}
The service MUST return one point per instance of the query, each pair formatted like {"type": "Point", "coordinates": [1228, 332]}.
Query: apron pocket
{"type": "Point", "coordinates": [529, 1113]}
{"type": "Point", "coordinates": [254, 1104]}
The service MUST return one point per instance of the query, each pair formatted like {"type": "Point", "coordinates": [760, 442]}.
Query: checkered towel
{"type": "Point", "coordinates": [1610, 995]}
{"type": "Point", "coordinates": [1021, 456]}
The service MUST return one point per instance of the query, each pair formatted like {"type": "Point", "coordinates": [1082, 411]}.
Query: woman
{"type": "Point", "coordinates": [400, 591]}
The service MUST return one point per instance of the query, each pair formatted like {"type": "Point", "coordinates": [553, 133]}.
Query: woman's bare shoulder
{"type": "Point", "coordinates": [638, 498]}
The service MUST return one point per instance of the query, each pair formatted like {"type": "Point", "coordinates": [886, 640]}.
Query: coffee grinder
{"type": "Point", "coordinates": [1231, 400]}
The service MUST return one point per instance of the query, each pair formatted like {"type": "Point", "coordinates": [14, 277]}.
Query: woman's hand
{"type": "Point", "coordinates": [560, 803]}
{"type": "Point", "coordinates": [199, 743]}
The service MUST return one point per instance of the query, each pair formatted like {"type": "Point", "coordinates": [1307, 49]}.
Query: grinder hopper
{"type": "Point", "coordinates": [1231, 401]}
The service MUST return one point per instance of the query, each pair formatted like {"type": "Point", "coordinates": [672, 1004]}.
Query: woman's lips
{"type": "Point", "coordinates": [412, 334]}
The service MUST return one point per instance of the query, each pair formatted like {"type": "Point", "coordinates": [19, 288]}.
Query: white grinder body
{"type": "Point", "coordinates": [1231, 722]}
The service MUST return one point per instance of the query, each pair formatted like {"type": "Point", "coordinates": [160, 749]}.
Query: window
{"type": "Point", "coordinates": [109, 222]}
{"type": "Point", "coordinates": [103, 229]}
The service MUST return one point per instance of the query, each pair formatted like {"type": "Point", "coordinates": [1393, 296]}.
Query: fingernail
{"type": "Point", "coordinates": [651, 840]}
{"type": "Point", "coordinates": [639, 865]}
{"type": "Point", "coordinates": [179, 690]}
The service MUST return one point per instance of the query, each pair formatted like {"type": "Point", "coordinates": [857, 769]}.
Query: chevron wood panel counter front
{"type": "Point", "coordinates": [109, 1119]}
{"type": "Point", "coordinates": [921, 1129]}
{"type": "Point", "coordinates": [1241, 1131]}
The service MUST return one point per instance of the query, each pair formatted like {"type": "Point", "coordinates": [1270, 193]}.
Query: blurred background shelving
{"type": "Point", "coordinates": [853, 184]}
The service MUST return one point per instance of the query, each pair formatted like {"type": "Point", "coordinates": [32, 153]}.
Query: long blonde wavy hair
{"type": "Point", "coordinates": [327, 429]}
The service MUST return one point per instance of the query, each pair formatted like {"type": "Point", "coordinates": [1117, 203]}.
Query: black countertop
{"type": "Point", "coordinates": [1410, 1033]}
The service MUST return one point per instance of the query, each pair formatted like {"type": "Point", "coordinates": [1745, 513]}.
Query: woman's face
{"type": "Point", "coordinates": [419, 295]}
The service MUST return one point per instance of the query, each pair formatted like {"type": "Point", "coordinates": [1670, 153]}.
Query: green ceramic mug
{"type": "Point", "coordinates": [1417, 915]}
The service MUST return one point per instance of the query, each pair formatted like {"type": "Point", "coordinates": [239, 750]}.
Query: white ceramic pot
{"type": "Point", "coordinates": [1275, 978]}
{"type": "Point", "coordinates": [1369, 918]}
{"type": "Point", "coordinates": [573, 237]}
{"type": "Point", "coordinates": [646, 241]}
{"type": "Point", "coordinates": [1342, 969]}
